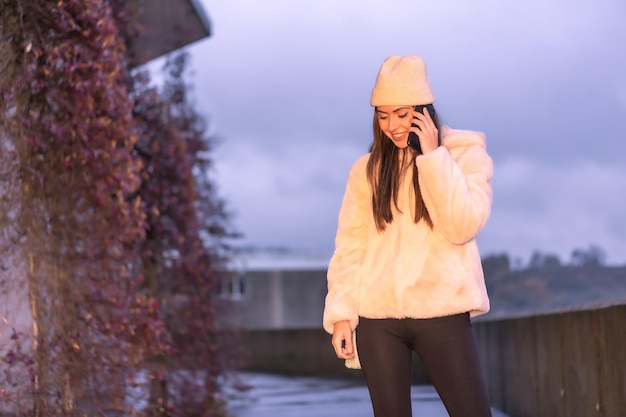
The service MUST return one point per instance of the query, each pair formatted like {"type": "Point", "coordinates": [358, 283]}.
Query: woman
{"type": "Point", "coordinates": [406, 272]}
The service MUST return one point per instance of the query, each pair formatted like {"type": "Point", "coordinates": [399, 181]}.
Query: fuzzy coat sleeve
{"type": "Point", "coordinates": [455, 181]}
{"type": "Point", "coordinates": [344, 269]}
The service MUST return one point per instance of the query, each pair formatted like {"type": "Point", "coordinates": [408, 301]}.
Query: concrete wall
{"type": "Point", "coordinates": [302, 352]}
{"type": "Point", "coordinates": [280, 315]}
{"type": "Point", "coordinates": [271, 300]}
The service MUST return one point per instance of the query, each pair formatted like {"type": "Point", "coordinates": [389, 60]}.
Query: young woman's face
{"type": "Point", "coordinates": [395, 122]}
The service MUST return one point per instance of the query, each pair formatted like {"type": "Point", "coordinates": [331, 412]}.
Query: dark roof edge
{"type": "Point", "coordinates": [202, 15]}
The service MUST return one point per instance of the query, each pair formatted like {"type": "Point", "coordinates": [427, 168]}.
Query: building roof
{"type": "Point", "coordinates": [278, 259]}
{"type": "Point", "coordinates": [168, 25]}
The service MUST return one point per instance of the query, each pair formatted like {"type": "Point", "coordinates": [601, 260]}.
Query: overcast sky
{"type": "Point", "coordinates": [286, 85]}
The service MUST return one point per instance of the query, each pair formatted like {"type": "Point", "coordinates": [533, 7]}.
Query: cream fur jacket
{"type": "Point", "coordinates": [409, 270]}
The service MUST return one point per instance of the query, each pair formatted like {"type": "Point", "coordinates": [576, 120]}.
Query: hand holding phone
{"type": "Point", "coordinates": [414, 141]}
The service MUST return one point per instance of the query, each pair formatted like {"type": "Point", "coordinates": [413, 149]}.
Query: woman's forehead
{"type": "Point", "coordinates": [391, 109]}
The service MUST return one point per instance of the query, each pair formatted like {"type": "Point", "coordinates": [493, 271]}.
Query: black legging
{"type": "Point", "coordinates": [447, 350]}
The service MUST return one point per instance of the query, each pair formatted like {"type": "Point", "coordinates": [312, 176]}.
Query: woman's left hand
{"type": "Point", "coordinates": [427, 132]}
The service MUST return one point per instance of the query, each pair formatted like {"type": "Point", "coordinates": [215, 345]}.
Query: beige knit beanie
{"type": "Point", "coordinates": [402, 80]}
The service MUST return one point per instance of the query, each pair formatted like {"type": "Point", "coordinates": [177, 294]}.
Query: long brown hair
{"type": "Point", "coordinates": [384, 171]}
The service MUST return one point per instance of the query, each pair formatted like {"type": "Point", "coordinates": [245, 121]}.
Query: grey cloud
{"type": "Point", "coordinates": [550, 208]}
{"type": "Point", "coordinates": [288, 86]}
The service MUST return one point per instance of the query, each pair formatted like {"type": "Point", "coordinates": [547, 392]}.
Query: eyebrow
{"type": "Point", "coordinates": [396, 110]}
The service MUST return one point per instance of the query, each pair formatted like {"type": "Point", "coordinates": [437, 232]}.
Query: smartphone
{"type": "Point", "coordinates": [414, 141]}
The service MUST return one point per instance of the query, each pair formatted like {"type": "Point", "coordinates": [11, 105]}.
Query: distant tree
{"type": "Point", "coordinates": [552, 261]}
{"type": "Point", "coordinates": [540, 260]}
{"type": "Point", "coordinates": [185, 251]}
{"type": "Point", "coordinates": [495, 266]}
{"type": "Point", "coordinates": [592, 256]}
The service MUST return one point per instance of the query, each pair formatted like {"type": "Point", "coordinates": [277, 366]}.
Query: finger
{"type": "Point", "coordinates": [426, 114]}
{"type": "Point", "coordinates": [418, 125]}
{"type": "Point", "coordinates": [428, 141]}
{"type": "Point", "coordinates": [343, 347]}
{"type": "Point", "coordinates": [348, 351]}
{"type": "Point", "coordinates": [425, 118]}
{"type": "Point", "coordinates": [423, 129]}
{"type": "Point", "coordinates": [348, 348]}
{"type": "Point", "coordinates": [338, 343]}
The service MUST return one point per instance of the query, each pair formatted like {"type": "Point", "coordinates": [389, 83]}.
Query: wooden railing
{"type": "Point", "coordinates": [570, 364]}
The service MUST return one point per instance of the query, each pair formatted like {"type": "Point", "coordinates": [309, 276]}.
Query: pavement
{"type": "Point", "coordinates": [263, 395]}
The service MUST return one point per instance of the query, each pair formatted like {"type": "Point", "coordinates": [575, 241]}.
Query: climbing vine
{"type": "Point", "coordinates": [106, 222]}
